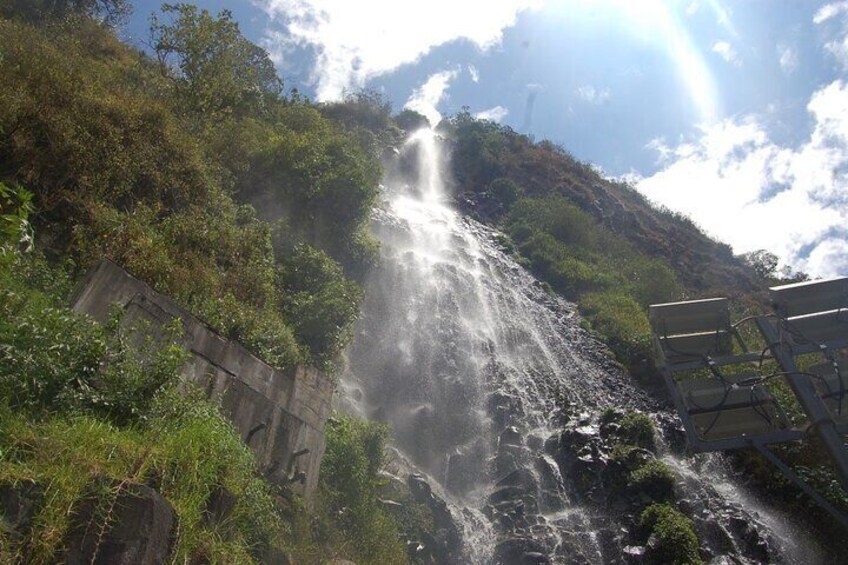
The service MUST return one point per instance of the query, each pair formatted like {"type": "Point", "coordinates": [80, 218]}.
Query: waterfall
{"type": "Point", "coordinates": [476, 367]}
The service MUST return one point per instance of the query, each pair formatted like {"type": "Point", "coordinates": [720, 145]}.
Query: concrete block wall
{"type": "Point", "coordinates": [280, 414]}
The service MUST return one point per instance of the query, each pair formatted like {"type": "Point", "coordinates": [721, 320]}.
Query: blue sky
{"type": "Point", "coordinates": [732, 112]}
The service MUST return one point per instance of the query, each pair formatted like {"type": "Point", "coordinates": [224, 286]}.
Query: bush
{"type": "Point", "coordinates": [558, 217]}
{"type": "Point", "coordinates": [54, 360]}
{"type": "Point", "coordinates": [15, 208]}
{"type": "Point", "coordinates": [119, 169]}
{"type": "Point", "coordinates": [321, 304]}
{"type": "Point", "coordinates": [636, 428]}
{"type": "Point", "coordinates": [349, 493]}
{"type": "Point", "coordinates": [654, 480]}
{"type": "Point", "coordinates": [677, 543]}
{"type": "Point", "coordinates": [505, 191]}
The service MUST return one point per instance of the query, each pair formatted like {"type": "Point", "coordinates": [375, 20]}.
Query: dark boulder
{"type": "Point", "coordinates": [446, 540]}
{"type": "Point", "coordinates": [18, 505]}
{"type": "Point", "coordinates": [136, 527]}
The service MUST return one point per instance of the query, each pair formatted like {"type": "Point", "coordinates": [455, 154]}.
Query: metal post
{"type": "Point", "coordinates": [792, 476]}
{"type": "Point", "coordinates": [811, 402]}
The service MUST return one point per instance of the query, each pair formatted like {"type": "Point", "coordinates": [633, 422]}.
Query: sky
{"type": "Point", "coordinates": [734, 113]}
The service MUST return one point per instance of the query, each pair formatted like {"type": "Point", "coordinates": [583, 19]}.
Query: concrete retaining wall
{"type": "Point", "coordinates": [280, 414]}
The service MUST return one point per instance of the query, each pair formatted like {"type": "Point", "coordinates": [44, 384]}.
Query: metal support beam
{"type": "Point", "coordinates": [792, 476]}
{"type": "Point", "coordinates": [812, 404]}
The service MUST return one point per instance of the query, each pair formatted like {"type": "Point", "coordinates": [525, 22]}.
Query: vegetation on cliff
{"type": "Point", "coordinates": [160, 164]}
{"type": "Point", "coordinates": [155, 164]}
{"type": "Point", "coordinates": [194, 169]}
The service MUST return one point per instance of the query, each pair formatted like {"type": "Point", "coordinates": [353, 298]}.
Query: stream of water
{"type": "Point", "coordinates": [476, 367]}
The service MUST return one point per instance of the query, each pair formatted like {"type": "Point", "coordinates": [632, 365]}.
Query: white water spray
{"type": "Point", "coordinates": [470, 361]}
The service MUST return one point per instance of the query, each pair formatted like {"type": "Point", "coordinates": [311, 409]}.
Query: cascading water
{"type": "Point", "coordinates": [476, 367]}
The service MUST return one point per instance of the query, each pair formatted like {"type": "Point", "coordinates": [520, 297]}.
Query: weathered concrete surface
{"type": "Point", "coordinates": [280, 414]}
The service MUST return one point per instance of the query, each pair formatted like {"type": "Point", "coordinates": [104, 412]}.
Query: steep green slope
{"type": "Point", "coordinates": [157, 164]}
{"type": "Point", "coordinates": [124, 165]}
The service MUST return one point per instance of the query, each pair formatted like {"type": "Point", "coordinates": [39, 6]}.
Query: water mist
{"type": "Point", "coordinates": [476, 368]}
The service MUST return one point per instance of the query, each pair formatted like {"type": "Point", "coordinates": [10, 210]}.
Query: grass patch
{"type": "Point", "coordinates": [186, 449]}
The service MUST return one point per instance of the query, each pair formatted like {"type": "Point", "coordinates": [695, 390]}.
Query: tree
{"type": "Point", "coordinates": [365, 108]}
{"type": "Point", "coordinates": [763, 262]}
{"type": "Point", "coordinates": [110, 12]}
{"type": "Point", "coordinates": [410, 120]}
{"type": "Point", "coordinates": [505, 191]}
{"type": "Point", "coordinates": [216, 69]}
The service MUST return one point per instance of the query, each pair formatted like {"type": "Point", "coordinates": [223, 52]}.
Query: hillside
{"type": "Point", "coordinates": [195, 168]}
{"type": "Point", "coordinates": [106, 152]}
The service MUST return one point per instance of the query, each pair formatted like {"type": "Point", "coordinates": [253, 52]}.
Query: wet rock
{"type": "Point", "coordinates": [519, 551]}
{"type": "Point", "coordinates": [510, 436]}
{"type": "Point", "coordinates": [755, 545]}
{"type": "Point", "coordinates": [515, 478]}
{"type": "Point", "coordinates": [461, 473]}
{"type": "Point", "coordinates": [506, 493]}
{"type": "Point", "coordinates": [505, 463]}
{"type": "Point", "coordinates": [504, 408]}
{"type": "Point", "coordinates": [633, 553]}
{"type": "Point", "coordinates": [139, 531]}
{"type": "Point", "coordinates": [446, 539]}
{"type": "Point", "coordinates": [714, 538]}
{"type": "Point", "coordinates": [534, 557]}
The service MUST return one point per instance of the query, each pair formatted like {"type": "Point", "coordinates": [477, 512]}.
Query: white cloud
{"type": "Point", "coordinates": [593, 95]}
{"type": "Point", "coordinates": [475, 74]}
{"type": "Point", "coordinates": [426, 97]}
{"type": "Point", "coordinates": [356, 41]}
{"type": "Point", "coordinates": [839, 46]}
{"type": "Point", "coordinates": [752, 193]}
{"type": "Point", "coordinates": [495, 114]}
{"type": "Point", "coordinates": [726, 51]}
{"type": "Point", "coordinates": [829, 11]}
{"type": "Point", "coordinates": [724, 17]}
{"type": "Point", "coordinates": [692, 8]}
{"type": "Point", "coordinates": [788, 58]}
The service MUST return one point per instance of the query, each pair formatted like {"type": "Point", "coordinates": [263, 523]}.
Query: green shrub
{"type": "Point", "coordinates": [54, 360]}
{"type": "Point", "coordinates": [83, 405]}
{"type": "Point", "coordinates": [636, 428]}
{"type": "Point", "coordinates": [505, 191]}
{"type": "Point", "coordinates": [653, 281]}
{"type": "Point", "coordinates": [558, 217]}
{"type": "Point", "coordinates": [677, 543]}
{"type": "Point", "coordinates": [120, 169]}
{"type": "Point", "coordinates": [349, 493]}
{"type": "Point", "coordinates": [15, 208]}
{"type": "Point", "coordinates": [654, 480]}
{"type": "Point", "coordinates": [320, 304]}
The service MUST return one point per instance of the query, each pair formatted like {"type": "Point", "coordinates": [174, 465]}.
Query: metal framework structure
{"type": "Point", "coordinates": [719, 389]}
